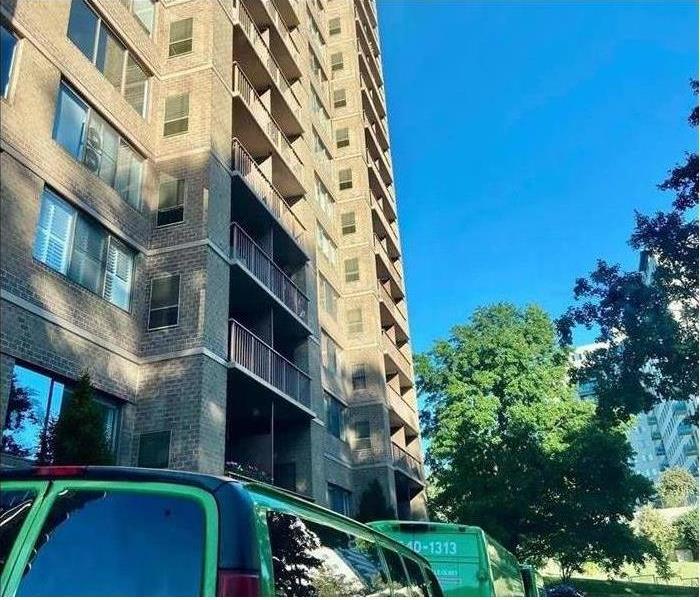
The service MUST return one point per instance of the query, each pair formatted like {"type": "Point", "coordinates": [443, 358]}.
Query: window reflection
{"type": "Point", "coordinates": [35, 401]}
{"type": "Point", "coordinates": [314, 560]}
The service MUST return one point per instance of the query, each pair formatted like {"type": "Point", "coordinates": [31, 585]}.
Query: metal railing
{"type": "Point", "coordinates": [256, 40]}
{"type": "Point", "coordinates": [406, 462]}
{"type": "Point", "coordinates": [260, 264]}
{"type": "Point", "coordinates": [250, 172]}
{"type": "Point", "coordinates": [261, 359]}
{"type": "Point", "coordinates": [282, 29]}
{"type": "Point", "coordinates": [245, 89]}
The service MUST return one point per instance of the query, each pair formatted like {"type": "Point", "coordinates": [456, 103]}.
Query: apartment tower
{"type": "Point", "coordinates": [198, 210]}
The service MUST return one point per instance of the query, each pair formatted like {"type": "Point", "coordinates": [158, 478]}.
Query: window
{"type": "Point", "coordinates": [315, 66]}
{"type": "Point", "coordinates": [329, 354]}
{"type": "Point", "coordinates": [165, 302]}
{"type": "Point", "coordinates": [101, 47]}
{"type": "Point", "coordinates": [336, 62]}
{"type": "Point", "coordinates": [400, 583]}
{"type": "Point", "coordinates": [342, 137]}
{"type": "Point", "coordinates": [77, 246]}
{"type": "Point", "coordinates": [324, 199]}
{"type": "Point", "coordinates": [334, 26]}
{"type": "Point", "coordinates": [359, 377]}
{"type": "Point", "coordinates": [325, 245]}
{"type": "Point", "coordinates": [171, 201]}
{"type": "Point", "coordinates": [128, 560]}
{"type": "Point", "coordinates": [362, 435]}
{"type": "Point", "coordinates": [419, 585]}
{"type": "Point", "coordinates": [180, 37]}
{"type": "Point", "coordinates": [88, 137]}
{"type": "Point", "coordinates": [143, 10]}
{"type": "Point", "coordinates": [352, 270]}
{"type": "Point", "coordinates": [347, 223]}
{"type": "Point", "coordinates": [345, 179]}
{"type": "Point", "coordinates": [154, 450]}
{"type": "Point", "coordinates": [285, 475]}
{"type": "Point", "coordinates": [8, 43]}
{"type": "Point", "coordinates": [177, 110]}
{"type": "Point", "coordinates": [14, 508]}
{"type": "Point", "coordinates": [339, 98]}
{"type": "Point", "coordinates": [339, 499]}
{"type": "Point", "coordinates": [328, 297]}
{"type": "Point", "coordinates": [310, 559]}
{"type": "Point", "coordinates": [354, 319]}
{"type": "Point", "coordinates": [35, 403]}
{"type": "Point", "coordinates": [335, 416]}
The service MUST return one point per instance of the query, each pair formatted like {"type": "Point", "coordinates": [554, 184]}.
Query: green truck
{"type": "Point", "coordinates": [466, 560]}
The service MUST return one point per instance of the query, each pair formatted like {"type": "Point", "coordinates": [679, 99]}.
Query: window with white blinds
{"type": "Point", "coordinates": [80, 248]}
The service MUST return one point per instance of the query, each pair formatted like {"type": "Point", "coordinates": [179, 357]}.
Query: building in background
{"type": "Point", "coordinates": [198, 208]}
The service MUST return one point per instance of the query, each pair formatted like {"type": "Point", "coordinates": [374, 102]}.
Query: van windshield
{"type": "Point", "coordinates": [106, 543]}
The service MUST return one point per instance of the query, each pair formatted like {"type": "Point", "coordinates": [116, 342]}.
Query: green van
{"type": "Point", "coordinates": [466, 560]}
{"type": "Point", "coordinates": [531, 580]}
{"type": "Point", "coordinates": [106, 531]}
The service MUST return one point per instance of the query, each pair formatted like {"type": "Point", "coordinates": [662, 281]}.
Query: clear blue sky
{"type": "Point", "coordinates": [524, 135]}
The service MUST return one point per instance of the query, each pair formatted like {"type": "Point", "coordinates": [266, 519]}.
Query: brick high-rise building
{"type": "Point", "coordinates": [198, 209]}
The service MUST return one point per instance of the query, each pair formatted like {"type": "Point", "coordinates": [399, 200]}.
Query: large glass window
{"type": "Point", "coordinates": [91, 140]}
{"type": "Point", "coordinates": [171, 202]}
{"type": "Point", "coordinates": [14, 508]}
{"type": "Point", "coordinates": [329, 354]}
{"type": "Point", "coordinates": [180, 37]}
{"type": "Point", "coordinates": [400, 583]}
{"type": "Point", "coordinates": [8, 43]}
{"type": "Point", "coordinates": [100, 46]}
{"type": "Point", "coordinates": [77, 246]}
{"type": "Point", "coordinates": [165, 302]}
{"type": "Point", "coordinates": [325, 245]}
{"type": "Point", "coordinates": [35, 403]}
{"type": "Point", "coordinates": [143, 10]}
{"type": "Point", "coordinates": [335, 416]}
{"type": "Point", "coordinates": [324, 199]}
{"type": "Point", "coordinates": [328, 297]}
{"type": "Point", "coordinates": [115, 543]}
{"type": "Point", "coordinates": [310, 559]}
{"type": "Point", "coordinates": [419, 586]}
{"type": "Point", "coordinates": [339, 499]}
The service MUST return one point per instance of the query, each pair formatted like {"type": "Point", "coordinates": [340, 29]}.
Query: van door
{"type": "Point", "coordinates": [91, 538]}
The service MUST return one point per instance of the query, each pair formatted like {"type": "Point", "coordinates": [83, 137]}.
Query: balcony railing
{"type": "Point", "coordinates": [685, 428]}
{"type": "Point", "coordinates": [245, 89]}
{"type": "Point", "coordinates": [256, 40]}
{"type": "Point", "coordinates": [283, 30]}
{"type": "Point", "coordinates": [259, 263]}
{"type": "Point", "coordinates": [396, 355]}
{"type": "Point", "coordinates": [261, 359]}
{"type": "Point", "coordinates": [407, 463]}
{"type": "Point", "coordinates": [245, 165]}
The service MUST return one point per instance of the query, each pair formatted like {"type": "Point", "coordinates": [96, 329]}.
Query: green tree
{"type": "Point", "coordinates": [512, 449]}
{"type": "Point", "coordinates": [686, 530]}
{"type": "Point", "coordinates": [676, 487]}
{"type": "Point", "coordinates": [660, 532]}
{"type": "Point", "coordinates": [373, 504]}
{"type": "Point", "coordinates": [649, 327]}
{"type": "Point", "coordinates": [78, 437]}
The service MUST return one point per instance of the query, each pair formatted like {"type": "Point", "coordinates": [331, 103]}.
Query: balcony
{"type": "Point", "coordinates": [376, 183]}
{"type": "Point", "coordinates": [361, 14]}
{"type": "Point", "coordinates": [382, 226]}
{"type": "Point", "coordinates": [259, 264]}
{"type": "Point", "coordinates": [690, 449]}
{"type": "Point", "coordinates": [256, 358]}
{"type": "Point", "coordinates": [391, 313]}
{"type": "Point", "coordinates": [251, 50]}
{"type": "Point", "coordinates": [380, 159]}
{"type": "Point", "coordinates": [387, 269]}
{"type": "Point", "coordinates": [289, 10]}
{"type": "Point", "coordinates": [375, 91]}
{"type": "Point", "coordinates": [285, 44]}
{"type": "Point", "coordinates": [660, 451]}
{"type": "Point", "coordinates": [396, 360]}
{"type": "Point", "coordinates": [370, 56]}
{"type": "Point", "coordinates": [685, 428]}
{"type": "Point", "coordinates": [405, 414]}
{"type": "Point", "coordinates": [245, 167]}
{"type": "Point", "coordinates": [263, 137]}
{"type": "Point", "coordinates": [407, 463]}
{"type": "Point", "coordinates": [656, 435]}
{"type": "Point", "coordinates": [680, 408]}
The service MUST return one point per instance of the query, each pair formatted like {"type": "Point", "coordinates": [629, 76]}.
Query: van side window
{"type": "Point", "coordinates": [310, 559]}
{"type": "Point", "coordinates": [400, 583]}
{"type": "Point", "coordinates": [419, 586]}
{"type": "Point", "coordinates": [115, 543]}
{"type": "Point", "coordinates": [14, 507]}
{"type": "Point", "coordinates": [435, 589]}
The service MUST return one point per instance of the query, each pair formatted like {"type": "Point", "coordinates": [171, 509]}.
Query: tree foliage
{"type": "Point", "coordinates": [660, 532]}
{"type": "Point", "coordinates": [649, 328]}
{"type": "Point", "coordinates": [676, 487]}
{"type": "Point", "coordinates": [686, 531]}
{"type": "Point", "coordinates": [373, 504]}
{"type": "Point", "coordinates": [512, 449]}
{"type": "Point", "coordinates": [78, 436]}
